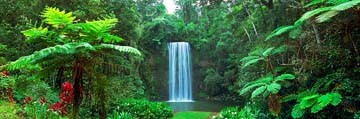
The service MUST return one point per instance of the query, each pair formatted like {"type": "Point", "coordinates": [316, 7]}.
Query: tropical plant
{"type": "Point", "coordinates": [266, 85]}
{"type": "Point", "coordinates": [315, 101]}
{"type": "Point", "coordinates": [81, 45]}
{"type": "Point", "coordinates": [322, 14]}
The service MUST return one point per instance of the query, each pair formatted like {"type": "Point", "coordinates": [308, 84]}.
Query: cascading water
{"type": "Point", "coordinates": [180, 89]}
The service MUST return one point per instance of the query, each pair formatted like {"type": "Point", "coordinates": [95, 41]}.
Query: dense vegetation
{"type": "Point", "coordinates": [94, 58]}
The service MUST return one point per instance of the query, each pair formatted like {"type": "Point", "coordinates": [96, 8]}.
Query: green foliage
{"type": "Point", "coordinates": [9, 110]}
{"type": "Point", "coordinates": [35, 110]}
{"type": "Point", "coordinates": [57, 18]}
{"type": "Point", "coordinates": [247, 112]}
{"type": "Point", "coordinates": [35, 33]}
{"type": "Point", "coordinates": [323, 14]}
{"type": "Point", "coordinates": [265, 85]}
{"type": "Point", "coordinates": [316, 102]}
{"type": "Point", "coordinates": [144, 109]}
{"type": "Point", "coordinates": [261, 54]}
{"type": "Point", "coordinates": [212, 81]}
{"type": "Point", "coordinates": [121, 115]}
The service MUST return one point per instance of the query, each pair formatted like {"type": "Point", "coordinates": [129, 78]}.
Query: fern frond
{"type": "Point", "coordinates": [57, 18]}
{"type": "Point", "coordinates": [126, 49]}
{"type": "Point", "coordinates": [38, 56]}
{"type": "Point", "coordinates": [35, 33]}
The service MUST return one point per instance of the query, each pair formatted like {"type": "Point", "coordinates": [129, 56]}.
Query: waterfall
{"type": "Point", "coordinates": [180, 89]}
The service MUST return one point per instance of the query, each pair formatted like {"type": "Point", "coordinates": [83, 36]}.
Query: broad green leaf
{"type": "Point", "coordinates": [297, 112]}
{"type": "Point", "coordinates": [280, 49]}
{"type": "Point", "coordinates": [284, 76]}
{"type": "Point", "coordinates": [267, 52]}
{"type": "Point", "coordinates": [322, 102]}
{"type": "Point", "coordinates": [274, 88]}
{"type": "Point", "coordinates": [279, 31]}
{"type": "Point", "coordinates": [335, 10]}
{"type": "Point", "coordinates": [346, 5]}
{"type": "Point", "coordinates": [310, 14]}
{"type": "Point", "coordinates": [252, 62]}
{"type": "Point", "coordinates": [336, 99]}
{"type": "Point", "coordinates": [258, 91]}
{"type": "Point", "coordinates": [248, 88]}
{"type": "Point", "coordinates": [307, 103]}
{"type": "Point", "coordinates": [310, 97]}
{"type": "Point", "coordinates": [326, 16]}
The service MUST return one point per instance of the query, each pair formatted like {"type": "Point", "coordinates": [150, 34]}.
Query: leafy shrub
{"type": "Point", "coordinates": [122, 115]}
{"type": "Point", "coordinates": [247, 112]}
{"type": "Point", "coordinates": [36, 110]}
{"type": "Point", "coordinates": [212, 81]}
{"type": "Point", "coordinates": [144, 109]}
{"type": "Point", "coordinates": [8, 110]}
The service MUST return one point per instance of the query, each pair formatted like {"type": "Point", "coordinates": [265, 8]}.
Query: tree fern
{"type": "Point", "coordinates": [57, 18]}
{"type": "Point", "coordinates": [35, 33]}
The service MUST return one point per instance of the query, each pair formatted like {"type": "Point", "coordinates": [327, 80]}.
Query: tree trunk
{"type": "Point", "coordinates": [77, 77]}
{"type": "Point", "coordinates": [102, 111]}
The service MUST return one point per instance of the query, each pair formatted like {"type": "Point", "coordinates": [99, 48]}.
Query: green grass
{"type": "Point", "coordinates": [192, 115]}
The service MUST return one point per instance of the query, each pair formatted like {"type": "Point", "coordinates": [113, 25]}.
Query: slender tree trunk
{"type": "Point", "coordinates": [77, 77]}
{"type": "Point", "coordinates": [102, 100]}
{"type": "Point", "coordinates": [60, 77]}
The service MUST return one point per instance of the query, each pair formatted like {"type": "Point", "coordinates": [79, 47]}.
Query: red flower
{"type": "Point", "coordinates": [67, 86]}
{"type": "Point", "coordinates": [59, 107]}
{"type": "Point", "coordinates": [27, 100]}
{"type": "Point", "coordinates": [66, 97]}
{"type": "Point", "coordinates": [43, 100]}
{"type": "Point", "coordinates": [5, 73]}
